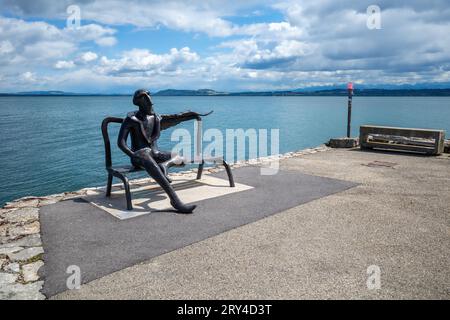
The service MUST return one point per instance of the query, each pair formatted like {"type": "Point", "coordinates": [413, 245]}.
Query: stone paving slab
{"type": "Point", "coordinates": [75, 232]}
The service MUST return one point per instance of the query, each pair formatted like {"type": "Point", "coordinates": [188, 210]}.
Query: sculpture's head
{"type": "Point", "coordinates": [143, 100]}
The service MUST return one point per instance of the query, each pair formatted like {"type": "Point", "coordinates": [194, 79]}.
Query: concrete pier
{"type": "Point", "coordinates": [384, 211]}
{"type": "Point", "coordinates": [397, 219]}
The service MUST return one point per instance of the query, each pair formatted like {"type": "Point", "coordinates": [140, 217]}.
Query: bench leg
{"type": "Point", "coordinates": [109, 185]}
{"type": "Point", "coordinates": [200, 170]}
{"type": "Point", "coordinates": [126, 186]}
{"type": "Point", "coordinates": [229, 173]}
{"type": "Point", "coordinates": [128, 194]}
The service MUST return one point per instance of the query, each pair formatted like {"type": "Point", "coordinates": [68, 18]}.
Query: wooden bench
{"type": "Point", "coordinates": [425, 141]}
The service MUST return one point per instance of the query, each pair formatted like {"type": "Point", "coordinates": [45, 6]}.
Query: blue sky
{"type": "Point", "coordinates": [224, 45]}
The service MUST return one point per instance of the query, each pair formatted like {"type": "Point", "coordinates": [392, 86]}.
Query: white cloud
{"type": "Point", "coordinates": [314, 42]}
{"type": "Point", "coordinates": [6, 47]}
{"type": "Point", "coordinates": [37, 41]}
{"type": "Point", "coordinates": [271, 31]}
{"type": "Point", "coordinates": [92, 32]}
{"type": "Point", "coordinates": [106, 41]}
{"type": "Point", "coordinates": [47, 50]}
{"type": "Point", "coordinates": [142, 60]}
{"type": "Point", "coordinates": [28, 76]}
{"type": "Point", "coordinates": [63, 64]}
{"type": "Point", "coordinates": [190, 16]}
{"type": "Point", "coordinates": [88, 56]}
{"type": "Point", "coordinates": [325, 41]}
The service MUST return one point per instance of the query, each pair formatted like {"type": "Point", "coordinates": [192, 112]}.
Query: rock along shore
{"type": "Point", "coordinates": [21, 249]}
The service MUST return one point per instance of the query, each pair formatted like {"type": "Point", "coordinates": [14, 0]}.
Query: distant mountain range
{"type": "Point", "coordinates": [58, 93]}
{"type": "Point", "coordinates": [301, 92]}
{"type": "Point", "coordinates": [297, 92]}
{"type": "Point", "coordinates": [200, 92]}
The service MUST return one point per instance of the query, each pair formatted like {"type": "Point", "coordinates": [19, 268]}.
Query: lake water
{"type": "Point", "coordinates": [54, 144]}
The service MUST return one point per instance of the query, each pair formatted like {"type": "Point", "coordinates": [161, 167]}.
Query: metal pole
{"type": "Point", "coordinates": [349, 113]}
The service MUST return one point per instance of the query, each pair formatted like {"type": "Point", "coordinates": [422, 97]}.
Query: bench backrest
{"type": "Point", "coordinates": [105, 122]}
{"type": "Point", "coordinates": [108, 120]}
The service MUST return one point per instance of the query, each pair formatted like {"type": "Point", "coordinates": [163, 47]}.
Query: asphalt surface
{"type": "Point", "coordinates": [77, 233]}
{"type": "Point", "coordinates": [397, 218]}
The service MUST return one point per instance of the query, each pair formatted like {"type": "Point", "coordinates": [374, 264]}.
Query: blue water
{"type": "Point", "coordinates": [54, 144]}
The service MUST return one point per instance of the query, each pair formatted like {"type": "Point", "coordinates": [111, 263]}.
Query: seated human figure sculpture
{"type": "Point", "coordinates": [144, 127]}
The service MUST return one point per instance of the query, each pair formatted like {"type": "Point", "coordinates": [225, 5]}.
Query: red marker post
{"type": "Point", "coordinates": [349, 114]}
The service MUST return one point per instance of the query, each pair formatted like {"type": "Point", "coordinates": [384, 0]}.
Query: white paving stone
{"type": "Point", "coordinates": [26, 254]}
{"type": "Point", "coordinates": [12, 267]}
{"type": "Point", "coordinates": [30, 271]}
{"type": "Point", "coordinates": [3, 230]}
{"type": "Point", "coordinates": [19, 291]}
{"type": "Point", "coordinates": [31, 228]}
{"type": "Point", "coordinates": [7, 278]}
{"type": "Point", "coordinates": [33, 240]}
{"type": "Point", "coordinates": [9, 250]}
{"type": "Point", "coordinates": [46, 202]}
{"type": "Point", "coordinates": [22, 203]}
{"type": "Point", "coordinates": [22, 215]}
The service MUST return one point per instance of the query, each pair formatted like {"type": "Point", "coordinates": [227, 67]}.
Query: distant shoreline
{"type": "Point", "coordinates": [212, 93]}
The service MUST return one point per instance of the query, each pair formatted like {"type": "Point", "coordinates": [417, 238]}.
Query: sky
{"type": "Point", "coordinates": [119, 46]}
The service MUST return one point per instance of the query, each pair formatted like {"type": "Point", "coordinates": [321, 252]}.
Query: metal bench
{"type": "Point", "coordinates": [121, 172]}
{"type": "Point", "coordinates": [425, 141]}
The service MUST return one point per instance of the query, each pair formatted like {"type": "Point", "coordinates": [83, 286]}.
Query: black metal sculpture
{"type": "Point", "coordinates": [144, 126]}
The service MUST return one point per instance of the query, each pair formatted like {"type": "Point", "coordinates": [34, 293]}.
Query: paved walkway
{"type": "Point", "coordinates": [397, 218]}
{"type": "Point", "coordinates": [77, 233]}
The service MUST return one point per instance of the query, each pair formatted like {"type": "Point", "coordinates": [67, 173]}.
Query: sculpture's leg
{"type": "Point", "coordinates": [165, 171]}
{"type": "Point", "coordinates": [156, 173]}
{"type": "Point", "coordinates": [175, 161]}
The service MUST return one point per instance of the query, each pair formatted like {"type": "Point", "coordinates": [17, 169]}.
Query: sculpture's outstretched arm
{"type": "Point", "coordinates": [170, 120]}
{"type": "Point", "coordinates": [122, 139]}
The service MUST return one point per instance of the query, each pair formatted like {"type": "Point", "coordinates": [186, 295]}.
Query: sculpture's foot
{"type": "Point", "coordinates": [183, 208]}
